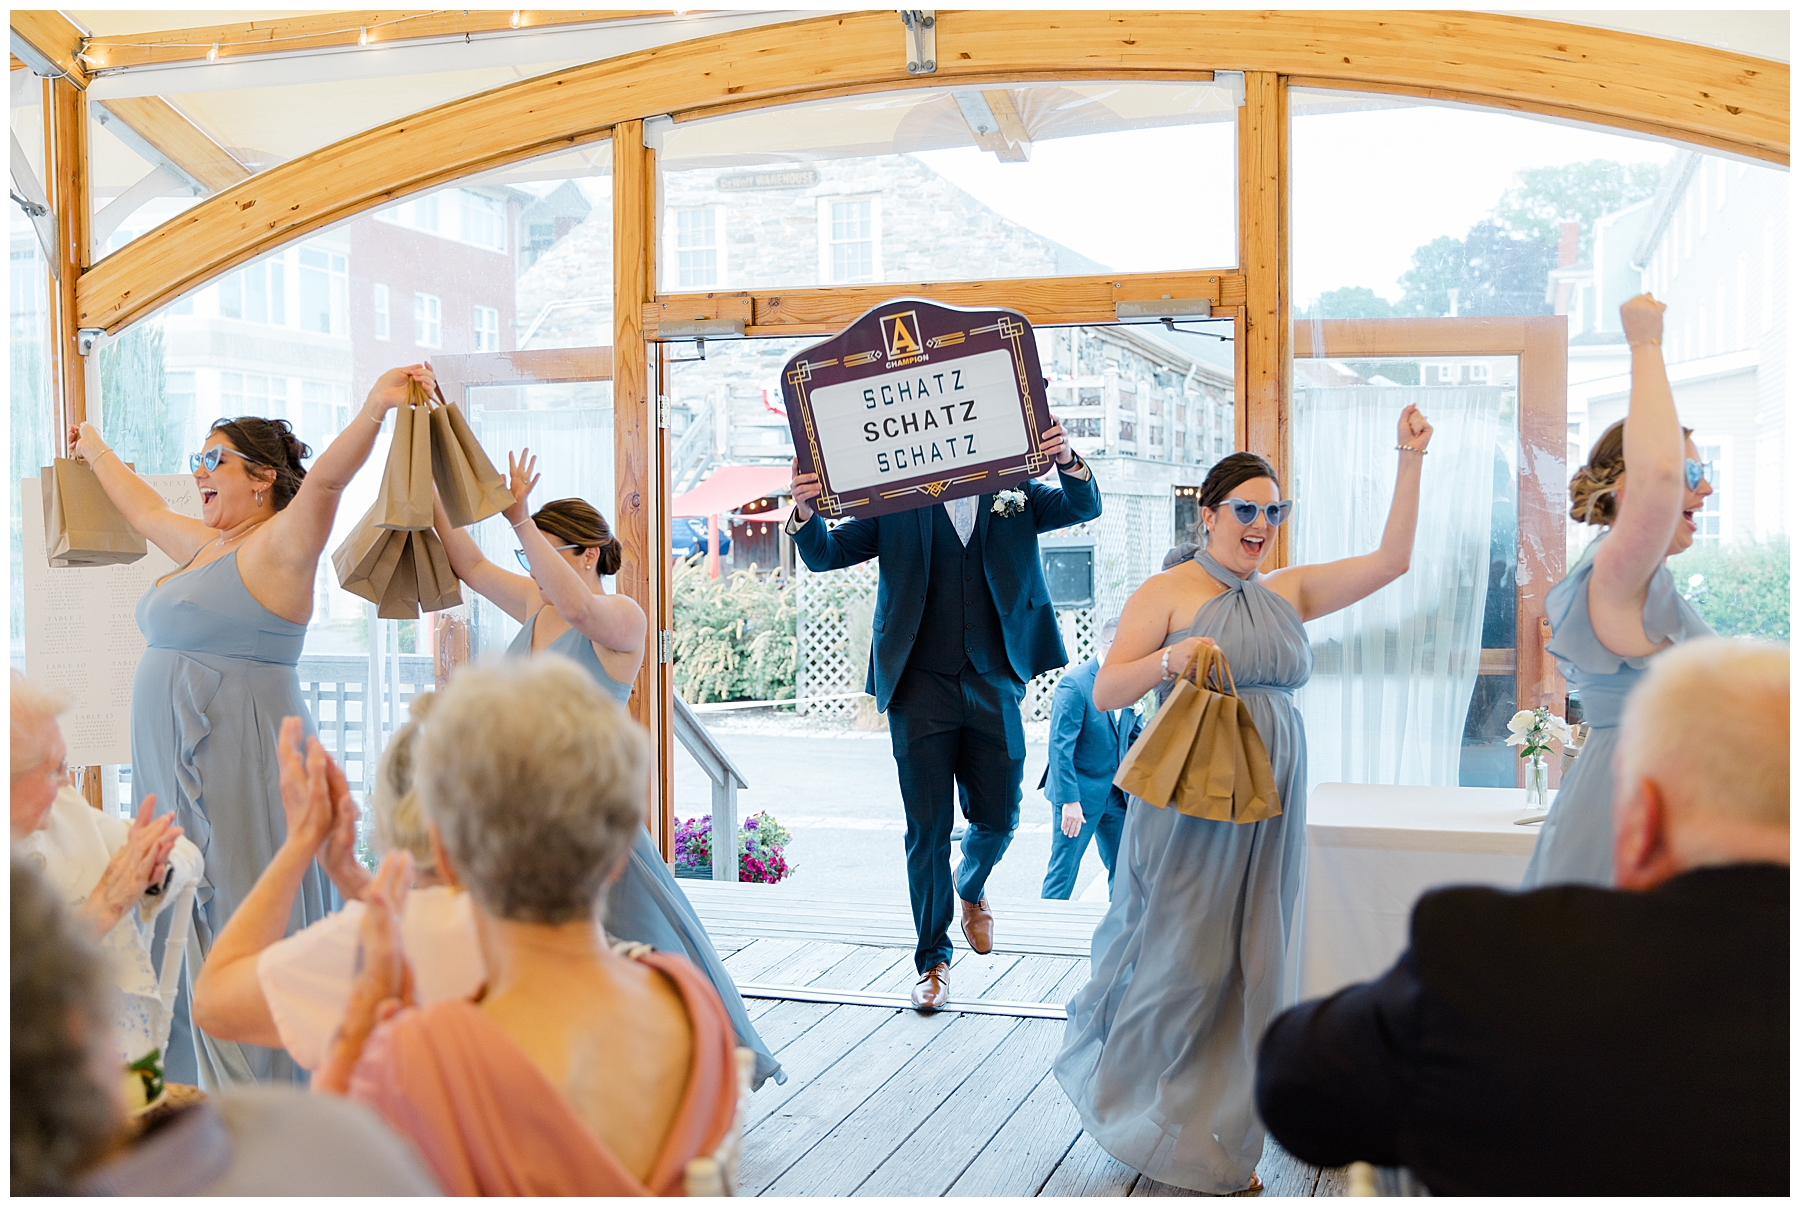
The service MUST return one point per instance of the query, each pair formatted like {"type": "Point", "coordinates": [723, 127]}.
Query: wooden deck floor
{"type": "Point", "coordinates": [885, 1101]}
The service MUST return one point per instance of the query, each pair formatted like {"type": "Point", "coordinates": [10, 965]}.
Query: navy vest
{"type": "Point", "coordinates": [960, 623]}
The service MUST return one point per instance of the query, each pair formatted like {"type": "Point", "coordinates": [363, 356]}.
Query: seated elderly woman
{"type": "Point", "coordinates": [259, 988]}
{"type": "Point", "coordinates": [69, 1127]}
{"type": "Point", "coordinates": [580, 1069]}
{"type": "Point", "coordinates": [118, 876]}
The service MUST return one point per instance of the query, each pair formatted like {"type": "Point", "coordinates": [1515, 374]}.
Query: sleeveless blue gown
{"type": "Point", "coordinates": [211, 690]}
{"type": "Point", "coordinates": [645, 905]}
{"type": "Point", "coordinates": [1159, 1054]}
{"type": "Point", "coordinates": [1576, 846]}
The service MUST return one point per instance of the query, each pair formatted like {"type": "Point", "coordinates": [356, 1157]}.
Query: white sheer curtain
{"type": "Point", "coordinates": [1393, 674]}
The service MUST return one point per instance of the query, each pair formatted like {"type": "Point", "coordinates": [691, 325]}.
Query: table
{"type": "Point", "coordinates": [1373, 849]}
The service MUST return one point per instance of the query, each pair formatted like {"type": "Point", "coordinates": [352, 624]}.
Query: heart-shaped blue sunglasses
{"type": "Point", "coordinates": [1698, 472]}
{"type": "Point", "coordinates": [1246, 513]}
{"type": "Point", "coordinates": [212, 456]}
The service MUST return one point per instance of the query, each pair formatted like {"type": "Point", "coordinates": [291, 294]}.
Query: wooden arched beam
{"type": "Point", "coordinates": [1693, 93]}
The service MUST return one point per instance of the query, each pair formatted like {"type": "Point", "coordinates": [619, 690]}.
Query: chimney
{"type": "Point", "coordinates": [1570, 245]}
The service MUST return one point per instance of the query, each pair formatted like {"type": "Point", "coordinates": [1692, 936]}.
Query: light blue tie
{"type": "Point", "coordinates": [962, 515]}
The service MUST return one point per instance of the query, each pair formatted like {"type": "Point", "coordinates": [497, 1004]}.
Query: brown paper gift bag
{"type": "Point", "coordinates": [366, 561]}
{"type": "Point", "coordinates": [472, 489]}
{"type": "Point", "coordinates": [438, 587]}
{"type": "Point", "coordinates": [404, 501]}
{"type": "Point", "coordinates": [1201, 754]}
{"type": "Point", "coordinates": [81, 525]}
{"type": "Point", "coordinates": [400, 601]}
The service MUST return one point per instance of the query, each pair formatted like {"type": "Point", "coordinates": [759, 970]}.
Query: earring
{"type": "Point", "coordinates": [259, 495]}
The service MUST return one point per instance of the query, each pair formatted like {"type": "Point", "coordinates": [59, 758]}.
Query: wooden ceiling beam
{"type": "Point", "coordinates": [329, 31]}
{"type": "Point", "coordinates": [177, 141]}
{"type": "Point", "coordinates": [1046, 301]}
{"type": "Point", "coordinates": [48, 43]}
{"type": "Point", "coordinates": [1677, 90]}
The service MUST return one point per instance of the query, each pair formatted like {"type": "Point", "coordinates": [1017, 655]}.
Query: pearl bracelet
{"type": "Point", "coordinates": [1406, 448]}
{"type": "Point", "coordinates": [526, 520]}
{"type": "Point", "coordinates": [374, 419]}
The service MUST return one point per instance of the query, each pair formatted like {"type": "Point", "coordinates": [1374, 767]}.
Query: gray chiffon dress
{"type": "Point", "coordinates": [645, 905]}
{"type": "Point", "coordinates": [211, 690]}
{"type": "Point", "coordinates": [1576, 845]}
{"type": "Point", "coordinates": [1159, 1053]}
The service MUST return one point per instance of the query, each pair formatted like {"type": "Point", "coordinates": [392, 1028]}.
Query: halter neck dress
{"type": "Point", "coordinates": [220, 673]}
{"type": "Point", "coordinates": [1159, 1051]}
{"type": "Point", "coordinates": [645, 905]}
{"type": "Point", "coordinates": [1576, 845]}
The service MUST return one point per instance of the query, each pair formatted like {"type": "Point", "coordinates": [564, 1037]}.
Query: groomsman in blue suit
{"type": "Point", "coordinates": [1086, 747]}
{"type": "Point", "coordinates": [962, 621]}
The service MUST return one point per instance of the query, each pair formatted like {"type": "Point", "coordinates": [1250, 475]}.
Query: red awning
{"type": "Point", "coordinates": [730, 487]}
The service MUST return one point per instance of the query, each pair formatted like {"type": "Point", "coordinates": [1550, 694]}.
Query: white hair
{"type": "Point", "coordinates": [34, 707]}
{"type": "Point", "coordinates": [1708, 724]}
{"type": "Point", "coordinates": [537, 781]}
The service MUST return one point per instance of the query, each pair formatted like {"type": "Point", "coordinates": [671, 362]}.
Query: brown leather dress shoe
{"type": "Point", "coordinates": [978, 925]}
{"type": "Point", "coordinates": [933, 990]}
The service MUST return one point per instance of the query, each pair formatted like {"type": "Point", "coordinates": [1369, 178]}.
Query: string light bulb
{"type": "Point", "coordinates": [362, 36]}
{"type": "Point", "coordinates": [516, 17]}
{"type": "Point", "coordinates": [212, 55]}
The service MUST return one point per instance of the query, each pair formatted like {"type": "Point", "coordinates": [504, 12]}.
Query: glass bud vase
{"type": "Point", "coordinates": [1537, 783]}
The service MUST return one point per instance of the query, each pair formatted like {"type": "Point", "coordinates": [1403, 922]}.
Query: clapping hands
{"type": "Point", "coordinates": [316, 800]}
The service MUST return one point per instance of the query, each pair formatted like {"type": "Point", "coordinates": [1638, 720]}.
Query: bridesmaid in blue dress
{"type": "Point", "coordinates": [224, 635]}
{"type": "Point", "coordinates": [568, 550]}
{"type": "Point", "coordinates": [1159, 1052]}
{"type": "Point", "coordinates": [1618, 607]}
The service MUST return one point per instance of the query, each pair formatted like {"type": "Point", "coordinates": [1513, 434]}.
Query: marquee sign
{"type": "Point", "coordinates": [916, 403]}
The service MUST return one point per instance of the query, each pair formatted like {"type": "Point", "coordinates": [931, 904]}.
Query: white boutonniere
{"type": "Point", "coordinates": [1009, 502]}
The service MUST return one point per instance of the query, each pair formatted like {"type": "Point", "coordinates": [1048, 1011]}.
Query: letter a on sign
{"type": "Point", "coordinates": [899, 331]}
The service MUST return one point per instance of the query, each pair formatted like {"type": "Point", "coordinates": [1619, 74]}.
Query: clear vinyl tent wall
{"type": "Point", "coordinates": [301, 200]}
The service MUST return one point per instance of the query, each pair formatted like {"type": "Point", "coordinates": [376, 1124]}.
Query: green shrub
{"type": "Point", "coordinates": [734, 637]}
{"type": "Point", "coordinates": [1743, 589]}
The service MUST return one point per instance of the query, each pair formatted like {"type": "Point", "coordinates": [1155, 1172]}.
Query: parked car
{"type": "Point", "coordinates": [687, 537]}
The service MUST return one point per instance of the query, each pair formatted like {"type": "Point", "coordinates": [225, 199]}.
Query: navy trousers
{"type": "Point", "coordinates": [957, 739]}
{"type": "Point", "coordinates": [1066, 852]}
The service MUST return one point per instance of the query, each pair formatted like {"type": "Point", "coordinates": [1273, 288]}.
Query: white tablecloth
{"type": "Point", "coordinates": [1373, 849]}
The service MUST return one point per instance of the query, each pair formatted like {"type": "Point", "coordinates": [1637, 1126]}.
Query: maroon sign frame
{"type": "Point", "coordinates": [916, 403]}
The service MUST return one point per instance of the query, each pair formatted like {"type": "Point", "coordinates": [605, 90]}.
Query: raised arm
{"type": "Point", "coordinates": [1322, 589]}
{"type": "Point", "coordinates": [615, 621]}
{"type": "Point", "coordinates": [228, 998]}
{"type": "Point", "coordinates": [821, 546]}
{"type": "Point", "coordinates": [1651, 490]}
{"type": "Point", "coordinates": [177, 535]}
{"type": "Point", "coordinates": [1134, 665]}
{"type": "Point", "coordinates": [301, 529]}
{"type": "Point", "coordinates": [514, 594]}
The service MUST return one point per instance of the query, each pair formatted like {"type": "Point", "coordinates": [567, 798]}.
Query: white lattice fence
{"type": "Point", "coordinates": [1080, 634]}
{"type": "Point", "coordinates": [835, 610]}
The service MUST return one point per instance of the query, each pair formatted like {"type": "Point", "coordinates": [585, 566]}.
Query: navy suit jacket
{"type": "Point", "coordinates": [1086, 745]}
{"type": "Point", "coordinates": [1009, 549]}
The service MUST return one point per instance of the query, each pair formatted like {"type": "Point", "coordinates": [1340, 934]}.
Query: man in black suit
{"type": "Point", "coordinates": [1578, 1040]}
{"type": "Point", "coordinates": [962, 622]}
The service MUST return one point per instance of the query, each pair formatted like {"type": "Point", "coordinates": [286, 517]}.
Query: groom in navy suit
{"type": "Point", "coordinates": [962, 621]}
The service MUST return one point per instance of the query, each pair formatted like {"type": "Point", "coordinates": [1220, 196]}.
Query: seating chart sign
{"type": "Point", "coordinates": [916, 403]}
{"type": "Point", "coordinates": [81, 632]}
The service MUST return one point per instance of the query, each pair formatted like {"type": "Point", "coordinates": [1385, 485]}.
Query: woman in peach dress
{"type": "Point", "coordinates": [578, 1069]}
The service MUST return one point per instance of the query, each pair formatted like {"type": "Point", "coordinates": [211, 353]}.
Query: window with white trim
{"type": "Point", "coordinates": [256, 293]}
{"type": "Point", "coordinates": [381, 312]}
{"type": "Point", "coordinates": [487, 329]}
{"type": "Point", "coordinates": [324, 291]}
{"type": "Point", "coordinates": [849, 240]}
{"type": "Point", "coordinates": [428, 320]}
{"type": "Point", "coordinates": [699, 249]}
